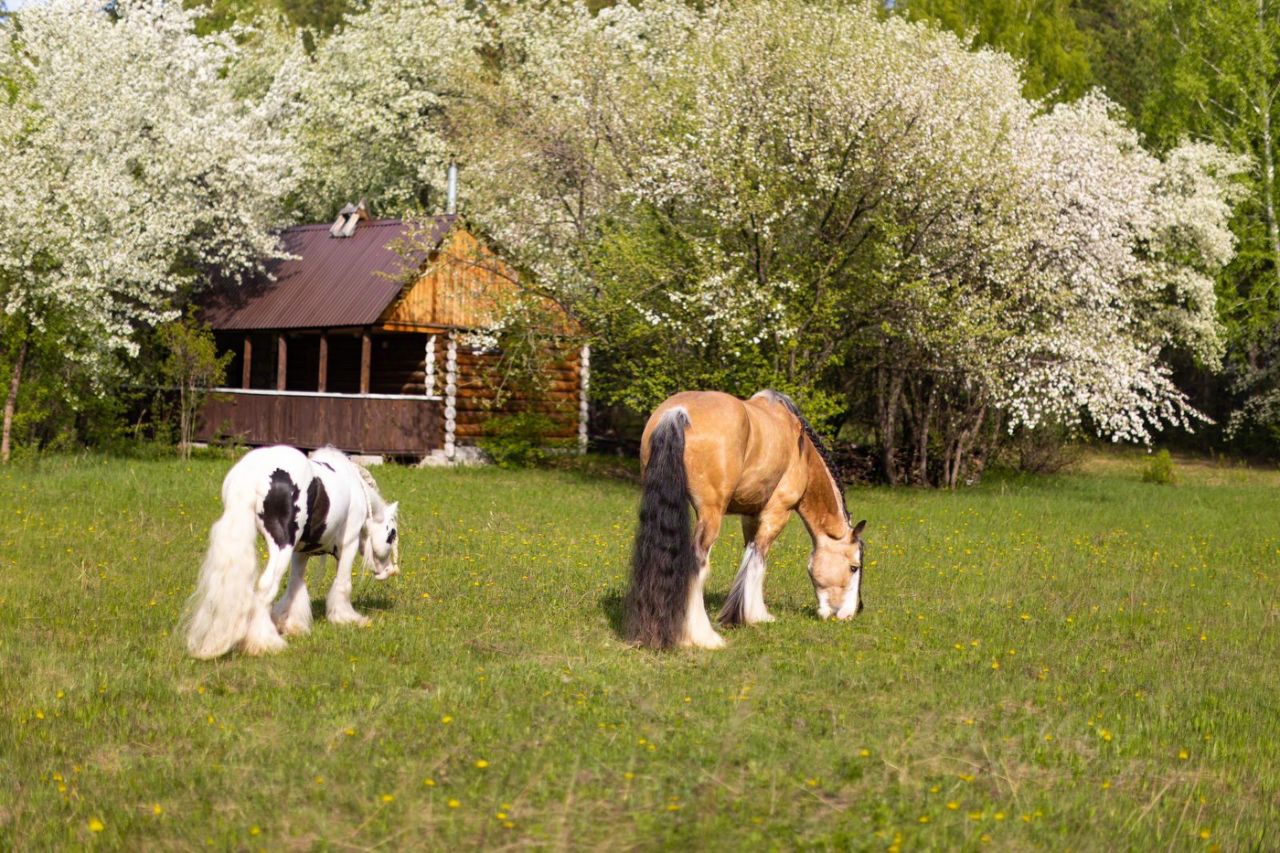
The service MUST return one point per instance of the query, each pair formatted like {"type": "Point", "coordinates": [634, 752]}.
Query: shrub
{"type": "Point", "coordinates": [517, 441]}
{"type": "Point", "coordinates": [1159, 469]}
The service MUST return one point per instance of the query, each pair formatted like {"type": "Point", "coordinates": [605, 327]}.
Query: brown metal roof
{"type": "Point", "coordinates": [333, 281]}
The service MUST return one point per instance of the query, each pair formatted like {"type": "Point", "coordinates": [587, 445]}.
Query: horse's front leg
{"type": "Point", "coordinates": [292, 613]}
{"type": "Point", "coordinates": [263, 636]}
{"type": "Point", "coordinates": [338, 607]}
{"type": "Point", "coordinates": [745, 604]}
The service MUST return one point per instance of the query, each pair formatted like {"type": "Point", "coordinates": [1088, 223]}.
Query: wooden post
{"type": "Point", "coordinates": [584, 385]}
{"type": "Point", "coordinates": [246, 374]}
{"type": "Point", "coordinates": [323, 382]}
{"type": "Point", "coordinates": [282, 360]}
{"type": "Point", "coordinates": [450, 396]}
{"type": "Point", "coordinates": [366, 358]}
{"type": "Point", "coordinates": [429, 367]}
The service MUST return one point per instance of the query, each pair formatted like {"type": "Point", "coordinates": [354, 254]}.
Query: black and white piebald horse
{"type": "Point", "coordinates": [303, 506]}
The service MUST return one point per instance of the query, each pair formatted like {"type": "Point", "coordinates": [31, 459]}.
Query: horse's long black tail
{"type": "Point", "coordinates": [663, 561]}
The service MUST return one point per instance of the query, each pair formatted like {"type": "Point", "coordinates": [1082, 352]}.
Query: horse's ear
{"type": "Point", "coordinates": [857, 530]}
{"type": "Point", "coordinates": [392, 509]}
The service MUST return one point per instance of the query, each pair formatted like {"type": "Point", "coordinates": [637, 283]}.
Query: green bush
{"type": "Point", "coordinates": [1159, 469]}
{"type": "Point", "coordinates": [517, 441]}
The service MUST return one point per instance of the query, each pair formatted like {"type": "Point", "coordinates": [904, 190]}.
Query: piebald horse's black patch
{"type": "Point", "coordinates": [280, 509]}
{"type": "Point", "coordinates": [317, 512]}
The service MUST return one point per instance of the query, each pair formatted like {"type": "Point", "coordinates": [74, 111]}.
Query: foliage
{"type": "Point", "coordinates": [1124, 641]}
{"type": "Point", "coordinates": [1044, 35]}
{"type": "Point", "coordinates": [370, 105]}
{"type": "Point", "coordinates": [191, 364]}
{"type": "Point", "coordinates": [116, 206]}
{"type": "Point", "coordinates": [728, 201]}
{"type": "Point", "coordinates": [517, 441]}
{"type": "Point", "coordinates": [1159, 469]}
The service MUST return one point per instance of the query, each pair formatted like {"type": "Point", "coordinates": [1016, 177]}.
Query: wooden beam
{"type": "Point", "coordinates": [282, 360]}
{"type": "Point", "coordinates": [366, 359]}
{"type": "Point", "coordinates": [246, 373]}
{"type": "Point", "coordinates": [323, 381]}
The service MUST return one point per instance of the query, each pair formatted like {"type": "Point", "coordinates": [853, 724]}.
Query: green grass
{"type": "Point", "coordinates": [1084, 661]}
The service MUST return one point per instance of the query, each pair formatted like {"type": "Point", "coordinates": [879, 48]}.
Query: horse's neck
{"type": "Point", "coordinates": [822, 505]}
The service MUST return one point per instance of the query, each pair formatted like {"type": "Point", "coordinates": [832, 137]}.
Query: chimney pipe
{"type": "Point", "coordinates": [451, 205]}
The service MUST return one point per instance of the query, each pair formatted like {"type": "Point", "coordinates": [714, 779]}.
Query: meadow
{"type": "Point", "coordinates": [1082, 661]}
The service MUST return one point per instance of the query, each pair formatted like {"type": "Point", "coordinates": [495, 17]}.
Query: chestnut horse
{"type": "Point", "coordinates": [756, 458]}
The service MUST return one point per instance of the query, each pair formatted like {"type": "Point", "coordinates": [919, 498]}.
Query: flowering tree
{"type": "Point", "coordinates": [860, 210]}
{"type": "Point", "coordinates": [130, 168]}
{"type": "Point", "coordinates": [370, 104]}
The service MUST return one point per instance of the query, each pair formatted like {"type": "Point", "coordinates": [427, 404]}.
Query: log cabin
{"type": "Point", "coordinates": [372, 338]}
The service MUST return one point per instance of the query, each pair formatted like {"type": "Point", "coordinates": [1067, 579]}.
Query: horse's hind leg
{"type": "Point", "coordinates": [338, 609]}
{"type": "Point", "coordinates": [698, 629]}
{"type": "Point", "coordinates": [745, 604]}
{"type": "Point", "coordinates": [263, 636]}
{"type": "Point", "coordinates": [292, 613]}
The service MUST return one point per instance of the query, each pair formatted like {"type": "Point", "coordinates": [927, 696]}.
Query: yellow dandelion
{"type": "Point", "coordinates": [975, 815]}
{"type": "Point", "coordinates": [351, 732]}
{"type": "Point", "coordinates": [157, 810]}
{"type": "Point", "coordinates": [508, 824]}
{"type": "Point", "coordinates": [501, 815]}
{"type": "Point", "coordinates": [1204, 834]}
{"type": "Point", "coordinates": [865, 753]}
{"type": "Point", "coordinates": [482, 764]}
{"type": "Point", "coordinates": [1106, 784]}
{"type": "Point", "coordinates": [1183, 754]}
{"type": "Point", "coordinates": [924, 818]}
{"type": "Point", "coordinates": [453, 804]}
{"type": "Point", "coordinates": [812, 783]}
{"type": "Point", "coordinates": [39, 715]}
{"type": "Point", "coordinates": [934, 789]}
{"type": "Point", "coordinates": [998, 815]}
{"type": "Point", "coordinates": [995, 664]}
{"type": "Point", "coordinates": [628, 775]}
{"type": "Point", "coordinates": [319, 780]}
{"type": "Point", "coordinates": [953, 805]}
{"type": "Point", "coordinates": [985, 838]}
{"type": "Point", "coordinates": [96, 825]}
{"type": "Point", "coordinates": [253, 830]}
{"type": "Point", "coordinates": [387, 798]}
{"type": "Point", "coordinates": [673, 807]}
{"type": "Point", "coordinates": [430, 783]}
{"type": "Point", "coordinates": [446, 719]}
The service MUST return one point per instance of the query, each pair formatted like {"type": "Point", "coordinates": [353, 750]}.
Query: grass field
{"type": "Point", "coordinates": [1084, 661]}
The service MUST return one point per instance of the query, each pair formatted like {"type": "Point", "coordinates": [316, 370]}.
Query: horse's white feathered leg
{"type": "Point", "coordinates": [218, 612]}
{"type": "Point", "coordinates": [338, 607]}
{"type": "Point", "coordinates": [262, 636]}
{"type": "Point", "coordinates": [292, 613]}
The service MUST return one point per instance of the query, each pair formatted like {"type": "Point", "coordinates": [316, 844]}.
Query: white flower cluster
{"type": "Point", "coordinates": [128, 165]}
{"type": "Point", "coordinates": [857, 188]}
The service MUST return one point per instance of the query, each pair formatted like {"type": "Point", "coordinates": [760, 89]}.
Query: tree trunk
{"type": "Point", "coordinates": [184, 421]}
{"type": "Point", "coordinates": [11, 402]}
{"type": "Point", "coordinates": [1269, 167]}
{"type": "Point", "coordinates": [922, 440]}
{"type": "Point", "coordinates": [888, 411]}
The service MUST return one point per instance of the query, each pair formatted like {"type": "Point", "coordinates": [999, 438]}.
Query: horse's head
{"type": "Point", "coordinates": [836, 571]}
{"type": "Point", "coordinates": [382, 543]}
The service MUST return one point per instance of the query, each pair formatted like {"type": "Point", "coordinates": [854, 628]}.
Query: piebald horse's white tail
{"type": "Point", "coordinates": [218, 612]}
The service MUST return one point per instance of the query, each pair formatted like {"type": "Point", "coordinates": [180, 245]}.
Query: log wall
{"type": "Point", "coordinates": [398, 426]}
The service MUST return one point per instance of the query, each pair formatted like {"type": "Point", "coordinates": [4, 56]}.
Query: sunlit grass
{"type": "Point", "coordinates": [1082, 661]}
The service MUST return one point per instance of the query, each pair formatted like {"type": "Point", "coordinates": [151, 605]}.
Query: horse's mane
{"type": "Point", "coordinates": [818, 444]}
{"type": "Point", "coordinates": [374, 494]}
